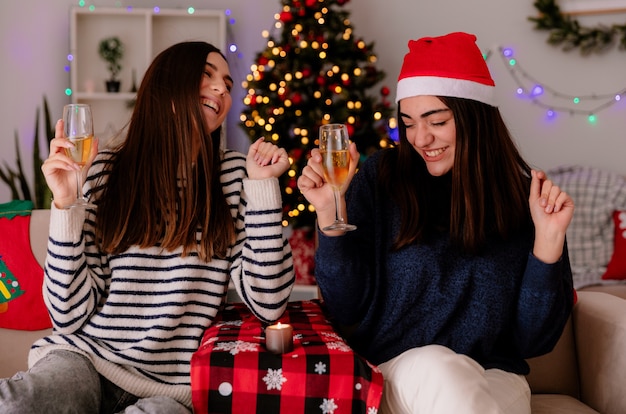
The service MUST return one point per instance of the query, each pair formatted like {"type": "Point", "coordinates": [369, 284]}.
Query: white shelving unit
{"type": "Point", "coordinates": [144, 33]}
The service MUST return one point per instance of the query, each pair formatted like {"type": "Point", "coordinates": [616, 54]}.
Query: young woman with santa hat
{"type": "Point", "coordinates": [458, 269]}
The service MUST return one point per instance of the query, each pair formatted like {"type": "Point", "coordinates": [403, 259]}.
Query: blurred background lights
{"type": "Point", "coordinates": [540, 93]}
{"type": "Point", "coordinates": [228, 13]}
{"type": "Point", "coordinates": [537, 89]}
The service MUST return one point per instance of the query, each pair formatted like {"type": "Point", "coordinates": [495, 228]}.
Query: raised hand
{"type": "Point", "coordinates": [266, 160]}
{"type": "Point", "coordinates": [318, 191]}
{"type": "Point", "coordinates": [551, 210]}
{"type": "Point", "coordinates": [59, 170]}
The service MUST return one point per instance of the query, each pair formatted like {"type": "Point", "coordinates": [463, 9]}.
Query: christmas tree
{"type": "Point", "coordinates": [315, 71]}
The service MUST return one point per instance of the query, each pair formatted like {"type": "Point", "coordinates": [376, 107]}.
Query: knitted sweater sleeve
{"type": "Point", "coordinates": [75, 278]}
{"type": "Point", "coordinates": [262, 270]}
{"type": "Point", "coordinates": [346, 266]}
{"type": "Point", "coordinates": [545, 302]}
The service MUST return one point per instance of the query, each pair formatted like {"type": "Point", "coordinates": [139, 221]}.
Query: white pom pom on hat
{"type": "Point", "coordinates": [450, 65]}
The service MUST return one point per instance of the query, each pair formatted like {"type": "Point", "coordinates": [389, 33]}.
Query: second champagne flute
{"type": "Point", "coordinates": [334, 143]}
{"type": "Point", "coordinates": [78, 128]}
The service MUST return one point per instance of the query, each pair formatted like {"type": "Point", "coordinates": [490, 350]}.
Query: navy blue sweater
{"type": "Point", "coordinates": [498, 307]}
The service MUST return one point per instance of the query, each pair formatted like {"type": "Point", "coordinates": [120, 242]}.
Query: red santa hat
{"type": "Point", "coordinates": [450, 65]}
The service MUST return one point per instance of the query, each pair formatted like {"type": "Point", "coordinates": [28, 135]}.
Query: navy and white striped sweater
{"type": "Point", "coordinates": [140, 315]}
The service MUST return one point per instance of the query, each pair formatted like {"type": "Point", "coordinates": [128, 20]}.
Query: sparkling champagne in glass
{"type": "Point", "coordinates": [78, 128]}
{"type": "Point", "coordinates": [334, 143]}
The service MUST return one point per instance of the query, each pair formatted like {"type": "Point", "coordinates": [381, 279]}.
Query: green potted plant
{"type": "Point", "coordinates": [15, 177]}
{"type": "Point", "coordinates": [111, 49]}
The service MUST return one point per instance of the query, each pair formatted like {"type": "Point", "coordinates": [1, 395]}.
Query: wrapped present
{"type": "Point", "coordinates": [233, 371]}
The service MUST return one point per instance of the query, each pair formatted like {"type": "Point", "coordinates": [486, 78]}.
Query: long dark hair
{"type": "Point", "coordinates": [158, 191]}
{"type": "Point", "coordinates": [489, 182]}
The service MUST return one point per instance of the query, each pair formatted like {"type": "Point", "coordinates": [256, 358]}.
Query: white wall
{"type": "Point", "coordinates": [568, 139]}
{"type": "Point", "coordinates": [34, 35]}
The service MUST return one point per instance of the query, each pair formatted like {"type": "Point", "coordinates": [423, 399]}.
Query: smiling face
{"type": "Point", "coordinates": [431, 130]}
{"type": "Point", "coordinates": [215, 90]}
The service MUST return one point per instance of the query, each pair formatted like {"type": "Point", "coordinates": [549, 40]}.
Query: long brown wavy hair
{"type": "Point", "coordinates": [489, 181]}
{"type": "Point", "coordinates": [158, 191]}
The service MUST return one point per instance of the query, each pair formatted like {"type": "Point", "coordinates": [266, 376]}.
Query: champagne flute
{"type": "Point", "coordinates": [78, 128]}
{"type": "Point", "coordinates": [334, 142]}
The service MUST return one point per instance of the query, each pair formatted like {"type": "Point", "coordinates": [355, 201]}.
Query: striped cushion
{"type": "Point", "coordinates": [596, 193]}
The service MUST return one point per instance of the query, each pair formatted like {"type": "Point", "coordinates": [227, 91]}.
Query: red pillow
{"type": "Point", "coordinates": [616, 269]}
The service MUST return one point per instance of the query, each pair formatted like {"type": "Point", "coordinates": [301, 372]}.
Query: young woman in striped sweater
{"type": "Point", "coordinates": [132, 284]}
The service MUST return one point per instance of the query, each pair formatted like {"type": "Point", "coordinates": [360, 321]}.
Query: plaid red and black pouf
{"type": "Point", "coordinates": [232, 372]}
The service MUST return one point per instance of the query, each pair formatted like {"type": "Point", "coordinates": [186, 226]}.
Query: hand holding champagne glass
{"type": "Point", "coordinates": [333, 145]}
{"type": "Point", "coordinates": [78, 128]}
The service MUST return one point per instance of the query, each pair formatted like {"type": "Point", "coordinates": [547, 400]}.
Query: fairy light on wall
{"type": "Point", "coordinates": [66, 68]}
{"type": "Point", "coordinates": [536, 92]}
{"type": "Point", "coordinates": [232, 45]}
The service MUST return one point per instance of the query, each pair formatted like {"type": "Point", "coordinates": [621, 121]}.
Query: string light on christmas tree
{"type": "Point", "coordinates": [533, 90]}
{"type": "Point", "coordinates": [312, 71]}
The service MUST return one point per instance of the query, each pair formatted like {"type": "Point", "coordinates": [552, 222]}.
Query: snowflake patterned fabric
{"type": "Point", "coordinates": [232, 372]}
